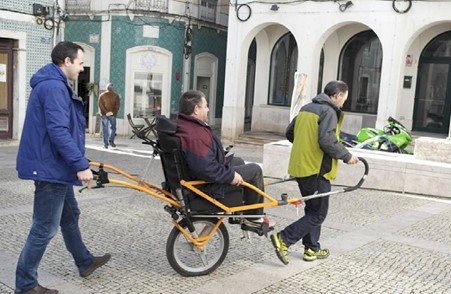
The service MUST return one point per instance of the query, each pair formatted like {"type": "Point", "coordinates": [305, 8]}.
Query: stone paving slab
{"type": "Point", "coordinates": [435, 228]}
{"type": "Point", "coordinates": [378, 267]}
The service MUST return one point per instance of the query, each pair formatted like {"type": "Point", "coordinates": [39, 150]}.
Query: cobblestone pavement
{"type": "Point", "coordinates": [381, 242]}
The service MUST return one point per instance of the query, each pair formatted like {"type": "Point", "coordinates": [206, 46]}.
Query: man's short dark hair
{"type": "Point", "coordinates": [189, 100]}
{"type": "Point", "coordinates": [65, 49]}
{"type": "Point", "coordinates": [335, 87]}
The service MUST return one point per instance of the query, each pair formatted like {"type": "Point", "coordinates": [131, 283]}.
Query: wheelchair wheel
{"type": "Point", "coordinates": [187, 259]}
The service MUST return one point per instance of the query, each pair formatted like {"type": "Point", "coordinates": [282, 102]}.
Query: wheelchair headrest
{"type": "Point", "coordinates": [166, 125]}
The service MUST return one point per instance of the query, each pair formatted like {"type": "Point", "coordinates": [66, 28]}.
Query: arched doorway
{"type": "Point", "coordinates": [360, 68]}
{"type": "Point", "coordinates": [284, 59]}
{"type": "Point", "coordinates": [81, 86]}
{"type": "Point", "coordinates": [205, 80]}
{"type": "Point", "coordinates": [250, 85]}
{"type": "Point", "coordinates": [433, 94]}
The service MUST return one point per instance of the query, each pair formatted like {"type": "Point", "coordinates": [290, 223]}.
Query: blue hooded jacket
{"type": "Point", "coordinates": [52, 147]}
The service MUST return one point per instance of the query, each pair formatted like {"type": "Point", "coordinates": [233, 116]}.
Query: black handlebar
{"type": "Point", "coordinates": [99, 177]}
{"type": "Point", "coordinates": [365, 173]}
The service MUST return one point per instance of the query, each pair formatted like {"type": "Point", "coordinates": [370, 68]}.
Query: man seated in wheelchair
{"type": "Point", "coordinates": [206, 158]}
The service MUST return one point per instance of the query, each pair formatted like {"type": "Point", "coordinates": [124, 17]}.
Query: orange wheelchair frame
{"type": "Point", "coordinates": [199, 243]}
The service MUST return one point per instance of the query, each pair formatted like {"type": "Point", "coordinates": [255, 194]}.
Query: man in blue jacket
{"type": "Point", "coordinates": [52, 154]}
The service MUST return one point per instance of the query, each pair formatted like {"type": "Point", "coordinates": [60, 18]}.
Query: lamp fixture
{"type": "Point", "coordinates": [275, 7]}
{"type": "Point", "coordinates": [345, 6]}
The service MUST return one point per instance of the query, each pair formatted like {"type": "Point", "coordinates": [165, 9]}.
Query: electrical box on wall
{"type": "Point", "coordinates": [39, 10]}
{"type": "Point", "coordinates": [407, 82]}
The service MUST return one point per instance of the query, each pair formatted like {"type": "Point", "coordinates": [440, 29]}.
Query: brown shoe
{"type": "Point", "coordinates": [40, 290]}
{"type": "Point", "coordinates": [98, 262]}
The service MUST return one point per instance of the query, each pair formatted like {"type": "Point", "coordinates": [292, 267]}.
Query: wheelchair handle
{"type": "Point", "coordinates": [365, 173]}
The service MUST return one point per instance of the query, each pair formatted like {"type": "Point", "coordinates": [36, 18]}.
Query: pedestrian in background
{"type": "Point", "coordinates": [52, 154]}
{"type": "Point", "coordinates": [109, 106]}
{"type": "Point", "coordinates": [316, 149]}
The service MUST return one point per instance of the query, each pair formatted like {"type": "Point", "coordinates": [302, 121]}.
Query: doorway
{"type": "Point", "coordinates": [6, 88]}
{"type": "Point", "coordinates": [206, 72]}
{"type": "Point", "coordinates": [203, 85]}
{"type": "Point", "coordinates": [433, 94]}
{"type": "Point", "coordinates": [250, 85]}
{"type": "Point", "coordinates": [83, 92]}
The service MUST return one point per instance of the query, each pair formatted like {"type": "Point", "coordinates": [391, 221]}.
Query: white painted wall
{"type": "Point", "coordinates": [320, 24]}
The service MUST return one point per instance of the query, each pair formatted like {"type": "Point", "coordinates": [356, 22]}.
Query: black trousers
{"type": "Point", "coordinates": [308, 227]}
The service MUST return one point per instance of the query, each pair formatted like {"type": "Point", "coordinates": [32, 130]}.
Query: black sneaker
{"type": "Point", "coordinates": [98, 262]}
{"type": "Point", "coordinates": [112, 144]}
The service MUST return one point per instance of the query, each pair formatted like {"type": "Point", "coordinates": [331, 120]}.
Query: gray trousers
{"type": "Point", "coordinates": [253, 174]}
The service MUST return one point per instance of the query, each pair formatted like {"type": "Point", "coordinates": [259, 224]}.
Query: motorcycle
{"type": "Point", "coordinates": [393, 138]}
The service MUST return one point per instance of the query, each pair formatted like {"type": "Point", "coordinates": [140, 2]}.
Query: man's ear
{"type": "Point", "coordinates": [195, 110]}
{"type": "Point", "coordinates": [67, 61]}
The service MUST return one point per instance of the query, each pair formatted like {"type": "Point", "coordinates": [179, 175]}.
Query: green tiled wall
{"type": "Point", "coordinates": [127, 34]}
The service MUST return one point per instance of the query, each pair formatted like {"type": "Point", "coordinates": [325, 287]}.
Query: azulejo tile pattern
{"type": "Point", "coordinates": [127, 34]}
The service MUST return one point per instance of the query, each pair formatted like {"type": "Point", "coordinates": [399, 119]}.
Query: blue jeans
{"type": "Point", "coordinates": [106, 120]}
{"type": "Point", "coordinates": [54, 205]}
{"type": "Point", "coordinates": [308, 227]}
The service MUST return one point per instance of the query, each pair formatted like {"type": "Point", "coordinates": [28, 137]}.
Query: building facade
{"type": "Point", "coordinates": [25, 45]}
{"type": "Point", "coordinates": [151, 51]}
{"type": "Point", "coordinates": [395, 56]}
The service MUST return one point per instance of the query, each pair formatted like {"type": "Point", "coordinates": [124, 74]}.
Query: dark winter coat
{"type": "Point", "coordinates": [52, 146]}
{"type": "Point", "coordinates": [203, 151]}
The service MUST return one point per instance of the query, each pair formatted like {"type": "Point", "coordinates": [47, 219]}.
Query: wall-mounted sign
{"type": "Point", "coordinates": [407, 84]}
{"type": "Point", "coordinates": [409, 60]}
{"type": "Point", "coordinates": [151, 32]}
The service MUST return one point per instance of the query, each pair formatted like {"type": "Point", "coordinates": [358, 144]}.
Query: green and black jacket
{"type": "Point", "coordinates": [314, 133]}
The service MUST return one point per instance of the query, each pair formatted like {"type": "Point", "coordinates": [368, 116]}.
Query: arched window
{"type": "Point", "coordinates": [439, 47]}
{"type": "Point", "coordinates": [284, 58]}
{"type": "Point", "coordinates": [433, 94]}
{"type": "Point", "coordinates": [360, 68]}
{"type": "Point", "coordinates": [320, 72]}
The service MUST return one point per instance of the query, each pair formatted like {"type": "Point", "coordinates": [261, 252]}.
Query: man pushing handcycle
{"type": "Point", "coordinates": [203, 186]}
